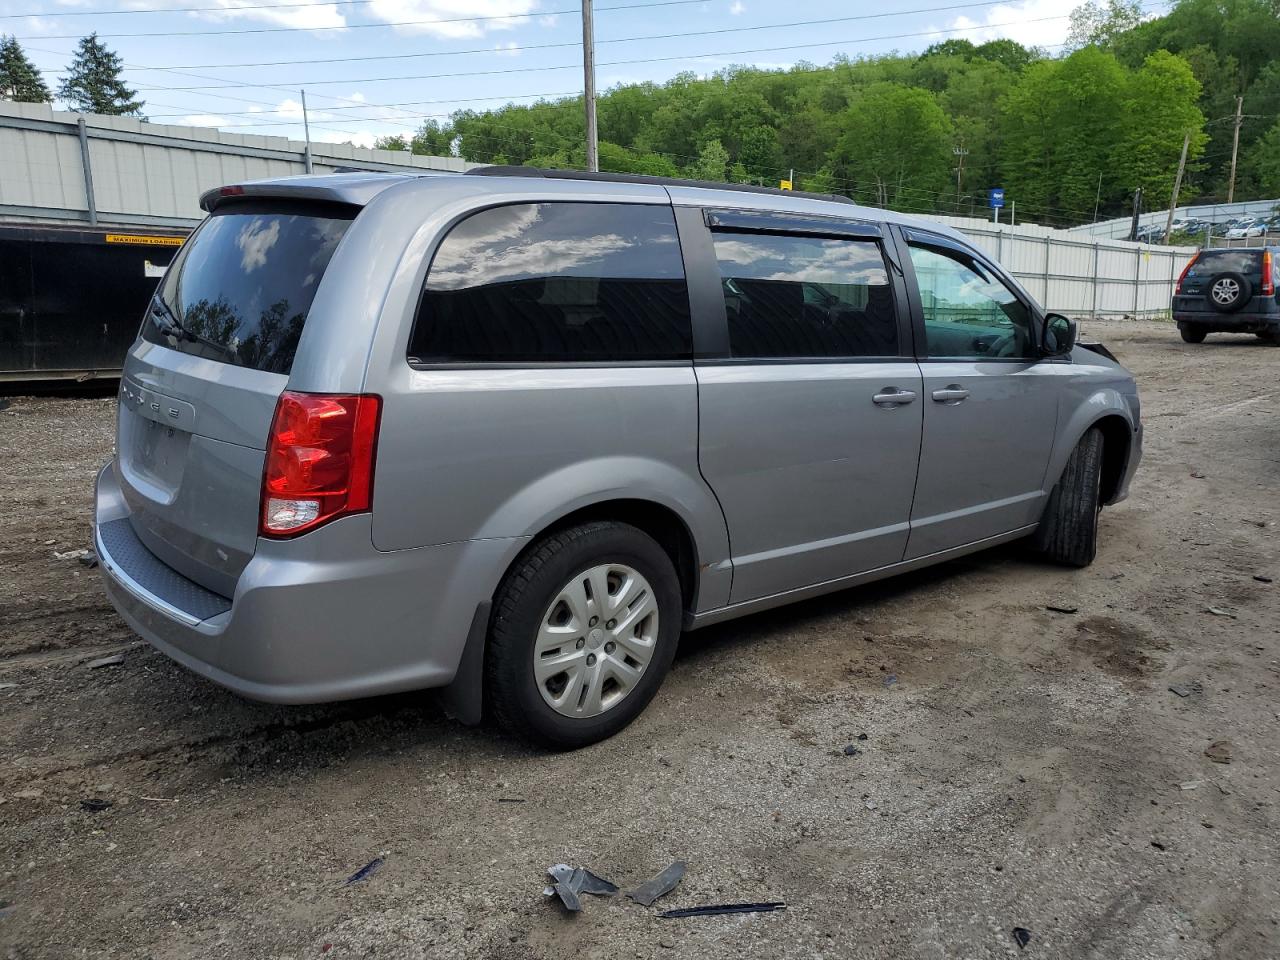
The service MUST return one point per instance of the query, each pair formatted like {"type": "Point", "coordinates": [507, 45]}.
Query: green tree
{"type": "Point", "coordinates": [1159, 110]}
{"type": "Point", "coordinates": [1060, 123]}
{"type": "Point", "coordinates": [93, 83]}
{"type": "Point", "coordinates": [398, 143]}
{"type": "Point", "coordinates": [1260, 170]}
{"type": "Point", "coordinates": [19, 78]}
{"type": "Point", "coordinates": [895, 148]}
{"type": "Point", "coordinates": [1100, 24]}
{"type": "Point", "coordinates": [712, 160]}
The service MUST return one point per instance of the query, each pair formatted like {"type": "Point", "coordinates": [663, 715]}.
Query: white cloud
{"type": "Point", "coordinates": [1014, 21]}
{"type": "Point", "coordinates": [204, 120]}
{"type": "Point", "coordinates": [307, 17]}
{"type": "Point", "coordinates": [436, 13]}
{"type": "Point", "coordinates": [736, 7]}
{"type": "Point", "coordinates": [508, 49]}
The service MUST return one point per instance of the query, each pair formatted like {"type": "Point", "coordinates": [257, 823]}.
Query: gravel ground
{"type": "Point", "coordinates": [1027, 768]}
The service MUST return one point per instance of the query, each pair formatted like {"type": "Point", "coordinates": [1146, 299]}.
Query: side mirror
{"type": "Point", "coordinates": [1057, 336]}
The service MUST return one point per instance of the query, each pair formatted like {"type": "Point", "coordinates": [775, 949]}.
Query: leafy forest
{"type": "Point", "coordinates": [1069, 137]}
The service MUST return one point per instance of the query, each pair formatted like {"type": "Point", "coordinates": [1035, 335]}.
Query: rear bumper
{"type": "Point", "coordinates": [323, 617]}
{"type": "Point", "coordinates": [1244, 321]}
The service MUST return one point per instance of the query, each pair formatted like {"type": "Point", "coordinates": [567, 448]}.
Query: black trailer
{"type": "Point", "coordinates": [72, 298]}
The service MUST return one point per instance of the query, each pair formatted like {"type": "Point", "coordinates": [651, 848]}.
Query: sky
{"type": "Point", "coordinates": [381, 67]}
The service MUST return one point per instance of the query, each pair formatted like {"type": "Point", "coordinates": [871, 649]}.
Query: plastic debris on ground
{"type": "Point", "coordinates": [1219, 751]}
{"type": "Point", "coordinates": [365, 872]}
{"type": "Point", "coordinates": [660, 885]}
{"type": "Point", "coordinates": [115, 660]}
{"type": "Point", "coordinates": [1057, 609]}
{"type": "Point", "coordinates": [572, 881]}
{"type": "Point", "coordinates": [1021, 936]}
{"type": "Point", "coordinates": [716, 909]}
{"type": "Point", "coordinates": [70, 555]}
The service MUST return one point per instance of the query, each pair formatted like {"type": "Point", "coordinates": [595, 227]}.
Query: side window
{"type": "Point", "coordinates": [556, 282]}
{"type": "Point", "coordinates": [968, 312]}
{"type": "Point", "coordinates": [803, 297]}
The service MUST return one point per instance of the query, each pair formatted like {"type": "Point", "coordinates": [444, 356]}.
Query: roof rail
{"type": "Point", "coordinates": [513, 170]}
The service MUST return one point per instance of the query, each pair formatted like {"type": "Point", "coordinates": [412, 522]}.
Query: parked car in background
{"type": "Point", "coordinates": [1247, 228]}
{"type": "Point", "coordinates": [1229, 290]}
{"type": "Point", "coordinates": [512, 432]}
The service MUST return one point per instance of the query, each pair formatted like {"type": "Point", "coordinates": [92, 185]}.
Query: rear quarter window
{"type": "Point", "coordinates": [556, 283]}
{"type": "Point", "coordinates": [242, 286]}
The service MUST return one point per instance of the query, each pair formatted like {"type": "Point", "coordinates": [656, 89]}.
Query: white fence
{"type": "Point", "coordinates": [68, 167]}
{"type": "Point", "coordinates": [1081, 277]}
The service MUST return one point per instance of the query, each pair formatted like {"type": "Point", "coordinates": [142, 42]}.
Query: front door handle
{"type": "Point", "coordinates": [893, 397]}
{"type": "Point", "coordinates": [951, 394]}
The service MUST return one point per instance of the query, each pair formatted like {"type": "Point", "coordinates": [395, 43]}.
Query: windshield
{"type": "Point", "coordinates": [240, 290]}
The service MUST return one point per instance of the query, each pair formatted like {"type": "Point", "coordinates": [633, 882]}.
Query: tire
{"type": "Point", "coordinates": [1068, 531]}
{"type": "Point", "coordinates": [530, 598]}
{"type": "Point", "coordinates": [1192, 334]}
{"type": "Point", "coordinates": [1228, 292]}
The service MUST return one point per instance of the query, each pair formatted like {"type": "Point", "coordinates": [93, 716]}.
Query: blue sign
{"type": "Point", "coordinates": [995, 197]}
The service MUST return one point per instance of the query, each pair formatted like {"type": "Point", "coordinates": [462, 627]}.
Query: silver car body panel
{"type": "Point", "coordinates": [788, 478]}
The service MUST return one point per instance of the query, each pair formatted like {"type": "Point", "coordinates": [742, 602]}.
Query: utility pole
{"type": "Point", "coordinates": [306, 128]}
{"type": "Point", "coordinates": [589, 86]}
{"type": "Point", "coordinates": [1137, 211]}
{"type": "Point", "coordinates": [1177, 185]}
{"type": "Point", "coordinates": [1235, 148]}
{"type": "Point", "coordinates": [1097, 200]}
{"type": "Point", "coordinates": [960, 153]}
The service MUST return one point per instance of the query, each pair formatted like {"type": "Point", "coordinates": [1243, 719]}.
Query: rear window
{"type": "Point", "coordinates": [556, 283]}
{"type": "Point", "coordinates": [1236, 261]}
{"type": "Point", "coordinates": [240, 290]}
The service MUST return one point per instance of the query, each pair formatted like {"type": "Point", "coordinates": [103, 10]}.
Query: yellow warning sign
{"type": "Point", "coordinates": [139, 240]}
{"type": "Point", "coordinates": [785, 184]}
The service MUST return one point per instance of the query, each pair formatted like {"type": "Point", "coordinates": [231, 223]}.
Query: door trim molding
{"type": "Point", "coordinates": [843, 583]}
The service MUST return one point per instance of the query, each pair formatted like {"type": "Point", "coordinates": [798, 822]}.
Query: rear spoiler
{"type": "Point", "coordinates": [350, 189]}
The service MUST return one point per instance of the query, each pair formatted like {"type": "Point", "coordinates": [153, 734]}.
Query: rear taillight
{"type": "Point", "coordinates": [1268, 275]}
{"type": "Point", "coordinates": [1183, 275]}
{"type": "Point", "coordinates": [319, 462]}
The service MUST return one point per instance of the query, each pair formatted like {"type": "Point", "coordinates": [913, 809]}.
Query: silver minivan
{"type": "Point", "coordinates": [511, 432]}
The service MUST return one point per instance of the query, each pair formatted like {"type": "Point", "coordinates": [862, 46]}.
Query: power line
{"type": "Point", "coordinates": [643, 60]}
{"type": "Point", "coordinates": [406, 103]}
{"type": "Point", "coordinates": [576, 43]}
{"type": "Point", "coordinates": [349, 26]}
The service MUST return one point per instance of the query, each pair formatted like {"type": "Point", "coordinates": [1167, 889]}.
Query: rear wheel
{"type": "Point", "coordinates": [1192, 334]}
{"type": "Point", "coordinates": [584, 630]}
{"type": "Point", "coordinates": [1068, 531]}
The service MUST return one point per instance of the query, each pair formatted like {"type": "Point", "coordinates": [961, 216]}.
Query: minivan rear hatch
{"type": "Point", "coordinates": [200, 385]}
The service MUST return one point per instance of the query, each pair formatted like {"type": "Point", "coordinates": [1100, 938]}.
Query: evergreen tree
{"type": "Point", "coordinates": [19, 78]}
{"type": "Point", "coordinates": [93, 83]}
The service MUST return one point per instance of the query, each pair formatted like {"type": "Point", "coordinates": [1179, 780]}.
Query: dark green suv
{"type": "Point", "coordinates": [1229, 291]}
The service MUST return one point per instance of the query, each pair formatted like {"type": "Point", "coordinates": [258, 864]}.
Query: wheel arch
{"type": "Point", "coordinates": [464, 697]}
{"type": "Point", "coordinates": [1117, 446]}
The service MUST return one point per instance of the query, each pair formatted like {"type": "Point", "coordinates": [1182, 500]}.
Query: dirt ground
{"type": "Point", "coordinates": [1026, 769]}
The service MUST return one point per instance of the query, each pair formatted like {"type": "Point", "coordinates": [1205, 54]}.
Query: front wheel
{"type": "Point", "coordinates": [1068, 531]}
{"type": "Point", "coordinates": [1192, 334]}
{"type": "Point", "coordinates": [584, 630]}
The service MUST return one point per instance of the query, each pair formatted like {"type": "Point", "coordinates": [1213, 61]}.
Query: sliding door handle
{"type": "Point", "coordinates": [893, 397]}
{"type": "Point", "coordinates": [951, 394]}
